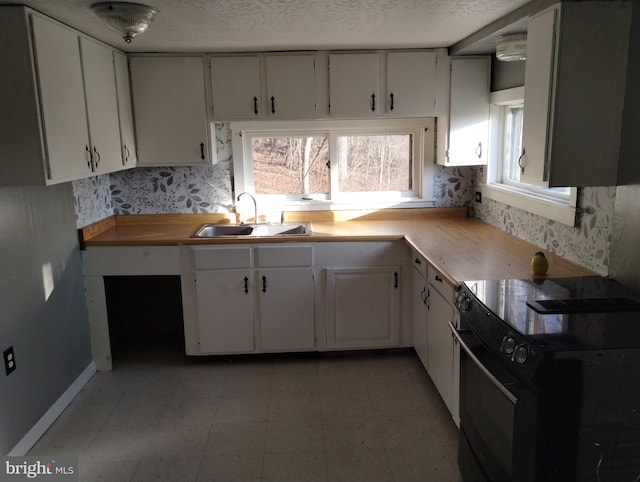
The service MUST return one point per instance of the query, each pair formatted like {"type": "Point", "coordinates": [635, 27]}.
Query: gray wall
{"type": "Point", "coordinates": [43, 315]}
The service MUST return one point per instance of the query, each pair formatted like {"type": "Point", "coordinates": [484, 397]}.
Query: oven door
{"type": "Point", "coordinates": [497, 418]}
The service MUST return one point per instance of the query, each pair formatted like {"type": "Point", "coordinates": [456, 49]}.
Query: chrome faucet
{"type": "Point", "coordinates": [255, 204]}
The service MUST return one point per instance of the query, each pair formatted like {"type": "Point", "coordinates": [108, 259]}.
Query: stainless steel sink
{"type": "Point", "coordinates": [215, 230]}
{"type": "Point", "coordinates": [253, 230]}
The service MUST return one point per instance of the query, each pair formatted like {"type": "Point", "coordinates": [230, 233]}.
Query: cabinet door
{"type": "Point", "coordinates": [236, 88]}
{"type": "Point", "coordinates": [170, 111]}
{"type": "Point", "coordinates": [353, 85]}
{"type": "Point", "coordinates": [102, 105]}
{"type": "Point", "coordinates": [224, 310]}
{"type": "Point", "coordinates": [411, 84]}
{"type": "Point", "coordinates": [419, 300]}
{"type": "Point", "coordinates": [286, 308]}
{"type": "Point", "coordinates": [468, 112]}
{"type": "Point", "coordinates": [64, 114]}
{"type": "Point", "coordinates": [440, 345]}
{"type": "Point", "coordinates": [291, 86]}
{"type": "Point", "coordinates": [127, 139]}
{"type": "Point", "coordinates": [537, 95]}
{"type": "Point", "coordinates": [363, 309]}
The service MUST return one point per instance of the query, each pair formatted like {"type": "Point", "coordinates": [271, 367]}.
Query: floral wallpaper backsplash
{"type": "Point", "coordinates": [202, 189]}
{"type": "Point", "coordinates": [587, 244]}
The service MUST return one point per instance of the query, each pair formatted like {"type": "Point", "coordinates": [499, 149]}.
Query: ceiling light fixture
{"type": "Point", "coordinates": [128, 19]}
{"type": "Point", "coordinates": [512, 47]}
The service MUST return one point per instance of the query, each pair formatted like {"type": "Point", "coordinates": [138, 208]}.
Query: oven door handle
{"type": "Point", "coordinates": [494, 381]}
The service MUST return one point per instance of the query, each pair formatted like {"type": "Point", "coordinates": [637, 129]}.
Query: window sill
{"type": "Point", "coordinates": [547, 208]}
{"type": "Point", "coordinates": [328, 205]}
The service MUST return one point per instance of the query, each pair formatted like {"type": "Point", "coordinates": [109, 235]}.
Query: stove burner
{"type": "Point", "coordinates": [584, 305]}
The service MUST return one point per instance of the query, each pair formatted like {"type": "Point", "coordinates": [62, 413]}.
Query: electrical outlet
{"type": "Point", "coordinates": [478, 196]}
{"type": "Point", "coordinates": [9, 360]}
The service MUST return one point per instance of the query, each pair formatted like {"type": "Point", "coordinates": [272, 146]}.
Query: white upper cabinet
{"type": "Point", "coordinates": [291, 86]}
{"type": "Point", "coordinates": [354, 85]}
{"type": "Point", "coordinates": [60, 105]}
{"type": "Point", "coordinates": [236, 88]}
{"type": "Point", "coordinates": [127, 137]}
{"type": "Point", "coordinates": [575, 85]}
{"type": "Point", "coordinates": [260, 87]}
{"type": "Point", "coordinates": [169, 103]}
{"type": "Point", "coordinates": [102, 105]}
{"type": "Point", "coordinates": [62, 100]}
{"type": "Point", "coordinates": [467, 132]}
{"type": "Point", "coordinates": [410, 83]}
{"type": "Point", "coordinates": [324, 84]}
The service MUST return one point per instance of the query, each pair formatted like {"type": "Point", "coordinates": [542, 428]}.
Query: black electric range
{"type": "Point", "coordinates": [565, 356]}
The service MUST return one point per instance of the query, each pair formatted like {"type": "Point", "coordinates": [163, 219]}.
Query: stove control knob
{"type": "Point", "coordinates": [509, 345]}
{"type": "Point", "coordinates": [521, 354]}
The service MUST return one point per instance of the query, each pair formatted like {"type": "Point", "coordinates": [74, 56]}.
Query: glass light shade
{"type": "Point", "coordinates": [128, 19]}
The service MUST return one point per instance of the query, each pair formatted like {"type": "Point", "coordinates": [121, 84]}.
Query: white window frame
{"type": "Point", "coordinates": [533, 199]}
{"type": "Point", "coordinates": [423, 155]}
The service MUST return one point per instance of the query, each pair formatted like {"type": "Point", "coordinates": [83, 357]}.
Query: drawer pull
{"type": "Point", "coordinates": [417, 261]}
{"type": "Point", "coordinates": [438, 279]}
{"type": "Point", "coordinates": [395, 279]}
{"type": "Point", "coordinates": [246, 285]}
{"type": "Point", "coordinates": [264, 284]}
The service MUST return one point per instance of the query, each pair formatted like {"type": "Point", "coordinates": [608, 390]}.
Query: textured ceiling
{"type": "Point", "coordinates": [267, 25]}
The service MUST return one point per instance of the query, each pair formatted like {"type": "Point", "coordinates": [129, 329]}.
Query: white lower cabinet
{"type": "Point", "coordinates": [285, 297]}
{"type": "Point", "coordinates": [442, 366]}
{"type": "Point", "coordinates": [224, 311]}
{"type": "Point", "coordinates": [363, 307]}
{"type": "Point", "coordinates": [252, 299]}
{"type": "Point", "coordinates": [419, 300]}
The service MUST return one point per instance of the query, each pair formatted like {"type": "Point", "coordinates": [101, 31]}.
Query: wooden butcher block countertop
{"type": "Point", "coordinates": [461, 248]}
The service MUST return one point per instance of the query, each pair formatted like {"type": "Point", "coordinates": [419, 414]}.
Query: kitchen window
{"type": "Point", "coordinates": [503, 173]}
{"type": "Point", "coordinates": [319, 163]}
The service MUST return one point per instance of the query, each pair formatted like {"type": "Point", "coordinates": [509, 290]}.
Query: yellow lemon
{"type": "Point", "coordinates": [539, 263]}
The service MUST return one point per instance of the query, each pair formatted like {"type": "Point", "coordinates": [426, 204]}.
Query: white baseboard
{"type": "Point", "coordinates": [50, 416]}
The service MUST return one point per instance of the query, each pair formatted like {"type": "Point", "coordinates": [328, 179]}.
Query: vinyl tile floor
{"type": "Point", "coordinates": [162, 416]}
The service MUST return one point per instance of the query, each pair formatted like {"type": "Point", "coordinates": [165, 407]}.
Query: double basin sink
{"type": "Point", "coordinates": [253, 230]}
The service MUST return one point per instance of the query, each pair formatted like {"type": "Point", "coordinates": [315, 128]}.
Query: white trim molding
{"type": "Point", "coordinates": [32, 436]}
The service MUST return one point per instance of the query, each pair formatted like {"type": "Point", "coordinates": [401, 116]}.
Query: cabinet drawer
{"type": "Point", "coordinates": [419, 263]}
{"type": "Point", "coordinates": [284, 256]}
{"type": "Point", "coordinates": [221, 258]}
{"type": "Point", "coordinates": [437, 281]}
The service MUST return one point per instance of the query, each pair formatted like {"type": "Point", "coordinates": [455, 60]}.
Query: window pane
{"type": "Point", "coordinates": [513, 141]}
{"type": "Point", "coordinates": [290, 165]}
{"type": "Point", "coordinates": [374, 163]}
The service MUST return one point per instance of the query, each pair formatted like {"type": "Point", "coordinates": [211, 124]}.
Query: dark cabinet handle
{"type": "Point", "coordinates": [391, 95]}
{"type": "Point", "coordinates": [438, 279]}
{"type": "Point", "coordinates": [90, 158]}
{"type": "Point", "coordinates": [264, 284]}
{"type": "Point", "coordinates": [479, 150]}
{"type": "Point", "coordinates": [373, 102]}
{"type": "Point", "coordinates": [255, 105]}
{"type": "Point", "coordinates": [395, 279]}
{"type": "Point", "coordinates": [520, 161]}
{"type": "Point", "coordinates": [126, 154]}
{"type": "Point", "coordinates": [417, 261]}
{"type": "Point", "coordinates": [422, 295]}
{"type": "Point", "coordinates": [202, 151]}
{"type": "Point", "coordinates": [97, 155]}
{"type": "Point", "coordinates": [246, 285]}
{"type": "Point", "coordinates": [273, 105]}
